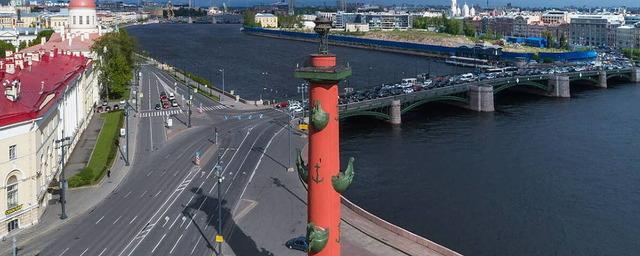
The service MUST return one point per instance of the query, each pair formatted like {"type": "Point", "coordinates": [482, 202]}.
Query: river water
{"type": "Point", "coordinates": [540, 176]}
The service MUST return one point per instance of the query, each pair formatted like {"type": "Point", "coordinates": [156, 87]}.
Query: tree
{"type": "Point", "coordinates": [468, 29]}
{"type": "Point", "coordinates": [115, 51]}
{"type": "Point", "coordinates": [563, 42]}
{"type": "Point", "coordinates": [549, 37]}
{"type": "Point", "coordinates": [4, 46]}
{"type": "Point", "coordinates": [249, 17]}
{"type": "Point", "coordinates": [286, 21]}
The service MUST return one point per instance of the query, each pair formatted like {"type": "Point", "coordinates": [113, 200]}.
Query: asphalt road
{"type": "Point", "coordinates": [168, 206]}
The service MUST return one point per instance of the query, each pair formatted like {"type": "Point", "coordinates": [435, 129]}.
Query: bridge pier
{"type": "Point", "coordinates": [481, 98]}
{"type": "Point", "coordinates": [395, 112]}
{"type": "Point", "coordinates": [602, 79]}
{"type": "Point", "coordinates": [635, 75]}
{"type": "Point", "coordinates": [560, 87]}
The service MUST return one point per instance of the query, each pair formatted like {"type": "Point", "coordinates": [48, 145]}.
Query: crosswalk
{"type": "Point", "coordinates": [169, 112]}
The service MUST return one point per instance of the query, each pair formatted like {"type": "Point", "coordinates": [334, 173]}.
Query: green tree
{"type": "Point", "coordinates": [116, 63]}
{"type": "Point", "coordinates": [468, 29]}
{"type": "Point", "coordinates": [4, 46]}
{"type": "Point", "coordinates": [249, 17]}
{"type": "Point", "coordinates": [549, 37]}
{"type": "Point", "coordinates": [286, 21]}
{"type": "Point", "coordinates": [563, 42]}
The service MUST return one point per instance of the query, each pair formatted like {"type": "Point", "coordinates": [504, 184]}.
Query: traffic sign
{"type": "Point", "coordinates": [219, 239]}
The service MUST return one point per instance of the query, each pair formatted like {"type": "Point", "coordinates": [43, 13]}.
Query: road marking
{"type": "Point", "coordinates": [134, 218]}
{"type": "Point", "coordinates": [143, 194]}
{"type": "Point", "coordinates": [183, 220]}
{"type": "Point", "coordinates": [85, 250]}
{"type": "Point", "coordinates": [245, 158]}
{"type": "Point", "coordinates": [194, 246]}
{"type": "Point", "coordinates": [174, 221]}
{"type": "Point", "coordinates": [117, 220]}
{"type": "Point", "coordinates": [99, 220]}
{"type": "Point", "coordinates": [154, 248]}
{"type": "Point", "coordinates": [125, 196]}
{"type": "Point", "coordinates": [157, 193]}
{"type": "Point", "coordinates": [149, 174]}
{"type": "Point", "coordinates": [102, 251]}
{"type": "Point", "coordinates": [63, 252]}
{"type": "Point", "coordinates": [174, 246]}
{"type": "Point", "coordinates": [256, 168]}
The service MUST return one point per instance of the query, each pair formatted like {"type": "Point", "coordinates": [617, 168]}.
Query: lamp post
{"type": "Point", "coordinates": [63, 180]}
{"type": "Point", "coordinates": [189, 104]}
{"type": "Point", "coordinates": [265, 74]}
{"type": "Point", "coordinates": [126, 114]}
{"type": "Point", "coordinates": [302, 89]}
{"type": "Point", "coordinates": [220, 178]}
{"type": "Point", "coordinates": [223, 90]}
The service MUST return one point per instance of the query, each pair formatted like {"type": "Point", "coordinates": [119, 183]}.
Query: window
{"type": "Point", "coordinates": [12, 192]}
{"type": "Point", "coordinates": [12, 225]}
{"type": "Point", "coordinates": [80, 18]}
{"type": "Point", "coordinates": [74, 20]}
{"type": "Point", "coordinates": [87, 20]}
{"type": "Point", "coordinates": [12, 152]}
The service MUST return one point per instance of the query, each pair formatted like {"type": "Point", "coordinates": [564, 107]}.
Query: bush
{"type": "Point", "coordinates": [83, 178]}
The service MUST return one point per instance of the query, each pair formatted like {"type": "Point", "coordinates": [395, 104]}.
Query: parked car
{"type": "Point", "coordinates": [158, 107]}
{"type": "Point", "coordinates": [166, 104]}
{"type": "Point", "coordinates": [298, 243]}
{"type": "Point", "coordinates": [174, 103]}
{"type": "Point", "coordinates": [283, 104]}
{"type": "Point", "coordinates": [172, 96]}
{"type": "Point", "coordinates": [107, 108]}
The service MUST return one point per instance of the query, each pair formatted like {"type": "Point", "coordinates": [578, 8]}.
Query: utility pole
{"type": "Point", "coordinates": [222, 70]}
{"type": "Point", "coordinates": [218, 168]}
{"type": "Point", "coordinates": [190, 102]}
{"type": "Point", "coordinates": [302, 89]}
{"type": "Point", "coordinates": [126, 114]}
{"type": "Point", "coordinates": [63, 180]}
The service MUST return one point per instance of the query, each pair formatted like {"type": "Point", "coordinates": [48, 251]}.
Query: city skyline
{"type": "Point", "coordinates": [482, 3]}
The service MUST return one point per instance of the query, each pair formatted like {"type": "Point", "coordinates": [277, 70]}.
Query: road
{"type": "Point", "coordinates": [167, 205]}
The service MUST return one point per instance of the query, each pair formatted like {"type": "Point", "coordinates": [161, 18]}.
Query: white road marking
{"type": "Point", "coordinates": [157, 193]}
{"type": "Point", "coordinates": [85, 251]}
{"type": "Point", "coordinates": [125, 196]}
{"type": "Point", "coordinates": [99, 220]}
{"type": "Point", "coordinates": [102, 251]}
{"type": "Point", "coordinates": [63, 252]}
{"type": "Point", "coordinates": [143, 193]}
{"type": "Point", "coordinates": [256, 168]}
{"type": "Point", "coordinates": [134, 218]}
{"type": "Point", "coordinates": [154, 248]}
{"type": "Point", "coordinates": [245, 159]}
{"type": "Point", "coordinates": [194, 246]}
{"type": "Point", "coordinates": [174, 246]}
{"type": "Point", "coordinates": [174, 221]}
{"type": "Point", "coordinates": [117, 220]}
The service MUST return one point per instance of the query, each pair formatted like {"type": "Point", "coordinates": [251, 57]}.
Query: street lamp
{"type": "Point", "coordinates": [223, 91]}
{"type": "Point", "coordinates": [220, 178]}
{"type": "Point", "coordinates": [265, 74]}
{"type": "Point", "coordinates": [63, 180]}
{"type": "Point", "coordinates": [302, 89]}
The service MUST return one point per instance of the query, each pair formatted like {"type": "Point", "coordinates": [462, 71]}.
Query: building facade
{"type": "Point", "coordinates": [594, 30]}
{"type": "Point", "coordinates": [267, 20]}
{"type": "Point", "coordinates": [628, 36]}
{"type": "Point", "coordinates": [33, 114]}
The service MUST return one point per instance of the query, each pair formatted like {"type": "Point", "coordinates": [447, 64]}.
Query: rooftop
{"type": "Point", "coordinates": [41, 84]}
{"type": "Point", "coordinates": [78, 44]}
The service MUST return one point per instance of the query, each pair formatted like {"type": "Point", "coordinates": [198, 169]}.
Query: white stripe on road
{"type": "Point", "coordinates": [117, 220]}
{"type": "Point", "coordinates": [194, 246]}
{"type": "Point", "coordinates": [99, 220]}
{"type": "Point", "coordinates": [125, 196]}
{"type": "Point", "coordinates": [143, 194]}
{"type": "Point", "coordinates": [134, 218]}
{"type": "Point", "coordinates": [85, 250]}
{"type": "Point", "coordinates": [174, 246]}
{"type": "Point", "coordinates": [174, 221]}
{"type": "Point", "coordinates": [63, 252]}
{"type": "Point", "coordinates": [157, 193]}
{"type": "Point", "coordinates": [154, 248]}
{"type": "Point", "coordinates": [102, 251]}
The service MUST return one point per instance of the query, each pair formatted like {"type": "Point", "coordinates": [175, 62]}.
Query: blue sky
{"type": "Point", "coordinates": [526, 3]}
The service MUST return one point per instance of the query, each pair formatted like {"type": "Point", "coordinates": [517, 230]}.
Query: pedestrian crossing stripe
{"type": "Point", "coordinates": [161, 113]}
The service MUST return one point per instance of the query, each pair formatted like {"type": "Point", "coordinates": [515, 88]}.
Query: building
{"type": "Point", "coordinates": [594, 30]}
{"type": "Point", "coordinates": [357, 27]}
{"type": "Point", "coordinates": [33, 114]}
{"type": "Point", "coordinates": [628, 36]}
{"type": "Point", "coordinates": [267, 20]}
{"type": "Point", "coordinates": [15, 36]}
{"type": "Point", "coordinates": [387, 20]}
{"type": "Point", "coordinates": [57, 21]}
{"type": "Point", "coordinates": [521, 24]}
{"type": "Point", "coordinates": [555, 17]}
{"type": "Point", "coordinates": [631, 19]}
{"type": "Point", "coordinates": [49, 92]}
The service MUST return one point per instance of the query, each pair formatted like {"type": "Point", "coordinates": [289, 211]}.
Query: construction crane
{"type": "Point", "coordinates": [169, 8]}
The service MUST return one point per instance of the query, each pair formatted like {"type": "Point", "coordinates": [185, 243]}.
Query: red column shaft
{"type": "Point", "coordinates": [324, 163]}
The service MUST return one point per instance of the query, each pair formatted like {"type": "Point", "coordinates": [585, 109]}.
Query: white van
{"type": "Point", "coordinates": [172, 96]}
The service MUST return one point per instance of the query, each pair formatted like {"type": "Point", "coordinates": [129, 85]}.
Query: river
{"type": "Point", "coordinates": [540, 176]}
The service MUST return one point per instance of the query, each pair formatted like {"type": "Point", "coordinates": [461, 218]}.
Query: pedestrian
{"type": "Point", "coordinates": [108, 173]}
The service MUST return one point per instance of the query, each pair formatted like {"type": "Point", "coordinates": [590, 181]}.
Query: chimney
{"type": "Point", "coordinates": [63, 35]}
{"type": "Point", "coordinates": [99, 30]}
{"type": "Point", "coordinates": [43, 40]}
{"type": "Point", "coordinates": [41, 87]}
{"type": "Point", "coordinates": [70, 40]}
{"type": "Point", "coordinates": [11, 68]}
{"type": "Point", "coordinates": [19, 64]}
{"type": "Point", "coordinates": [12, 90]}
{"type": "Point", "coordinates": [51, 54]}
{"type": "Point", "coordinates": [8, 53]}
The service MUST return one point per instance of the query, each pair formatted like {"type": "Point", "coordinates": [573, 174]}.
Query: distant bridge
{"type": "Point", "coordinates": [479, 95]}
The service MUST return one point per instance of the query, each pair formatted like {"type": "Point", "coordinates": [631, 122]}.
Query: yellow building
{"type": "Point", "coordinates": [33, 115]}
{"type": "Point", "coordinates": [267, 20]}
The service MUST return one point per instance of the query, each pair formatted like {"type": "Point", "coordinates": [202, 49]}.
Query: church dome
{"type": "Point", "coordinates": [82, 4]}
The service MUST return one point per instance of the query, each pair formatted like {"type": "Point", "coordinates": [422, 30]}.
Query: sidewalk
{"type": "Point", "coordinates": [32, 240]}
{"type": "Point", "coordinates": [82, 152]}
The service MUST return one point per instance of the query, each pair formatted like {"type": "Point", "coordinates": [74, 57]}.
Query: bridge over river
{"type": "Point", "coordinates": [479, 95]}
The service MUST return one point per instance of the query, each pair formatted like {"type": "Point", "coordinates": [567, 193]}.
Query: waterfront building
{"type": "Point", "coordinates": [341, 19]}
{"type": "Point", "coordinates": [594, 30]}
{"type": "Point", "coordinates": [15, 36]}
{"type": "Point", "coordinates": [307, 21]}
{"type": "Point", "coordinates": [357, 27]}
{"type": "Point", "coordinates": [628, 36]}
{"type": "Point", "coordinates": [57, 21]}
{"type": "Point", "coordinates": [454, 8]}
{"type": "Point", "coordinates": [388, 21]}
{"type": "Point", "coordinates": [465, 10]}
{"type": "Point", "coordinates": [267, 20]}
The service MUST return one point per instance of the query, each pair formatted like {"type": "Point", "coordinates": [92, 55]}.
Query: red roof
{"type": "Point", "coordinates": [56, 72]}
{"type": "Point", "coordinates": [55, 42]}
{"type": "Point", "coordinates": [82, 4]}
